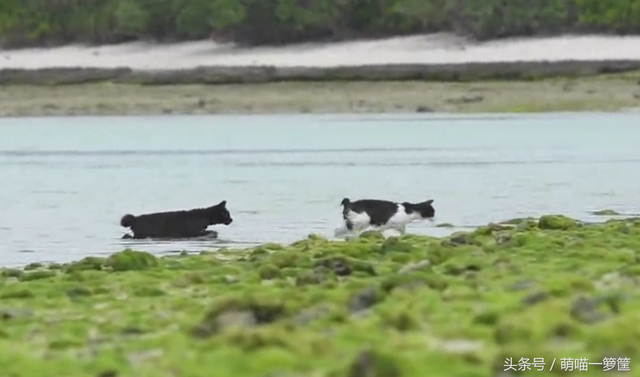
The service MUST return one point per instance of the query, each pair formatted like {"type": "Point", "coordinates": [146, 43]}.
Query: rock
{"type": "Point", "coordinates": [108, 373]}
{"type": "Point", "coordinates": [465, 99]}
{"type": "Point", "coordinates": [12, 273]}
{"type": "Point", "coordinates": [310, 278]}
{"type": "Point", "coordinates": [238, 312]}
{"type": "Point", "coordinates": [236, 319]}
{"type": "Point", "coordinates": [522, 285]}
{"type": "Point", "coordinates": [503, 238]}
{"type": "Point", "coordinates": [395, 244]}
{"type": "Point", "coordinates": [33, 266]}
{"type": "Point", "coordinates": [132, 260]}
{"type": "Point", "coordinates": [423, 109]}
{"type": "Point", "coordinates": [230, 279]}
{"type": "Point", "coordinates": [311, 314]}
{"type": "Point", "coordinates": [535, 298]}
{"type": "Point", "coordinates": [364, 299]}
{"type": "Point", "coordinates": [76, 293]}
{"type": "Point", "coordinates": [461, 238]}
{"type": "Point", "coordinates": [11, 280]}
{"type": "Point", "coordinates": [586, 310]}
{"type": "Point", "coordinates": [458, 346]}
{"type": "Point", "coordinates": [140, 357]}
{"type": "Point", "coordinates": [339, 266]}
{"type": "Point", "coordinates": [497, 227]}
{"type": "Point", "coordinates": [269, 272]}
{"type": "Point", "coordinates": [371, 364]}
{"type": "Point", "coordinates": [526, 225]}
{"type": "Point", "coordinates": [9, 313]}
{"type": "Point", "coordinates": [371, 235]}
{"type": "Point", "coordinates": [556, 222]}
{"type": "Point", "coordinates": [414, 266]}
{"type": "Point", "coordinates": [605, 212]}
{"type": "Point", "coordinates": [132, 331]}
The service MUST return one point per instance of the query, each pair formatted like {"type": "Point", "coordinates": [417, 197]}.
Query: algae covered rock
{"type": "Point", "coordinates": [397, 307]}
{"type": "Point", "coordinates": [556, 222]}
{"type": "Point", "coordinates": [421, 265]}
{"type": "Point", "coordinates": [37, 275]}
{"type": "Point", "coordinates": [365, 299]}
{"type": "Point", "coordinates": [372, 235]}
{"type": "Point", "coordinates": [88, 263]}
{"type": "Point", "coordinates": [464, 238]}
{"type": "Point", "coordinates": [398, 245]}
{"type": "Point", "coordinates": [243, 311]}
{"type": "Point", "coordinates": [340, 266]}
{"type": "Point", "coordinates": [12, 273]}
{"type": "Point", "coordinates": [605, 212]}
{"type": "Point", "coordinates": [269, 271]}
{"type": "Point", "coordinates": [131, 260]}
{"type": "Point", "coordinates": [371, 363]}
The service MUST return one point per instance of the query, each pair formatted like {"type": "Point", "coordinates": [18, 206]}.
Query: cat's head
{"type": "Point", "coordinates": [425, 209]}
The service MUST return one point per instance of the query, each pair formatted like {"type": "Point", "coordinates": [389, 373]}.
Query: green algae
{"type": "Point", "coordinates": [403, 306]}
{"type": "Point", "coordinates": [605, 212]}
{"type": "Point", "coordinates": [557, 222]}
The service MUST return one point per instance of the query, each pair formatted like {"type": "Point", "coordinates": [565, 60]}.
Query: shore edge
{"type": "Point", "coordinates": [215, 75]}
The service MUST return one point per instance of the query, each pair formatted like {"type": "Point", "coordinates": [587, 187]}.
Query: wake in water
{"type": "Point", "coordinates": [208, 236]}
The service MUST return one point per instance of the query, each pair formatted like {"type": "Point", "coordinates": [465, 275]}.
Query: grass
{"type": "Point", "coordinates": [370, 307]}
{"type": "Point", "coordinates": [597, 93]}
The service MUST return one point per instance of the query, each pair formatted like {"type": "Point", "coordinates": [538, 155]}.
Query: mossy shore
{"type": "Point", "coordinates": [59, 92]}
{"type": "Point", "coordinates": [547, 288]}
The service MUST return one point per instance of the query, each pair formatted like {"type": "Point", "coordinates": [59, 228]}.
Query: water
{"type": "Point", "coordinates": [66, 182]}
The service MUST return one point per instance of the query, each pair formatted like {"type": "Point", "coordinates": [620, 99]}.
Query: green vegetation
{"type": "Point", "coordinates": [371, 307]}
{"type": "Point", "coordinates": [605, 212]}
{"type": "Point", "coordinates": [256, 22]}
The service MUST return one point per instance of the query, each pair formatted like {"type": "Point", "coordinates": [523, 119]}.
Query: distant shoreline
{"type": "Point", "coordinates": [434, 57]}
{"type": "Point", "coordinates": [408, 74]}
{"type": "Point", "coordinates": [426, 50]}
{"type": "Point", "coordinates": [465, 72]}
{"type": "Point", "coordinates": [612, 92]}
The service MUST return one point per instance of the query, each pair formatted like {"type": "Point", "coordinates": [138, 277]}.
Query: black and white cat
{"type": "Point", "coordinates": [381, 215]}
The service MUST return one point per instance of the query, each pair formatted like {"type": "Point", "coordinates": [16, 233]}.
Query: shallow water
{"type": "Point", "coordinates": [67, 181]}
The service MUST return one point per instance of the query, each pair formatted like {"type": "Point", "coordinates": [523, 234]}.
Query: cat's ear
{"type": "Point", "coordinates": [430, 201]}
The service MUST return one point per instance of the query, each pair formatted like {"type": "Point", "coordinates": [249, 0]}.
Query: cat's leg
{"type": "Point", "coordinates": [345, 228]}
{"type": "Point", "coordinates": [357, 229]}
{"type": "Point", "coordinates": [391, 230]}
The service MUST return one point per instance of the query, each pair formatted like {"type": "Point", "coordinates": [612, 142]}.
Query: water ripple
{"type": "Point", "coordinates": [201, 152]}
{"type": "Point", "coordinates": [302, 164]}
{"type": "Point", "coordinates": [63, 194]}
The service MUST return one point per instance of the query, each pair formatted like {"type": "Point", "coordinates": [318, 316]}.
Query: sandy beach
{"type": "Point", "coordinates": [597, 93]}
{"type": "Point", "coordinates": [423, 49]}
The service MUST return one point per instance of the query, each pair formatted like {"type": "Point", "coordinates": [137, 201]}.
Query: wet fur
{"type": "Point", "coordinates": [176, 224]}
{"type": "Point", "coordinates": [205, 236]}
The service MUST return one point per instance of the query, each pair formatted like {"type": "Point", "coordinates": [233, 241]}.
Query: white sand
{"type": "Point", "coordinates": [438, 48]}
